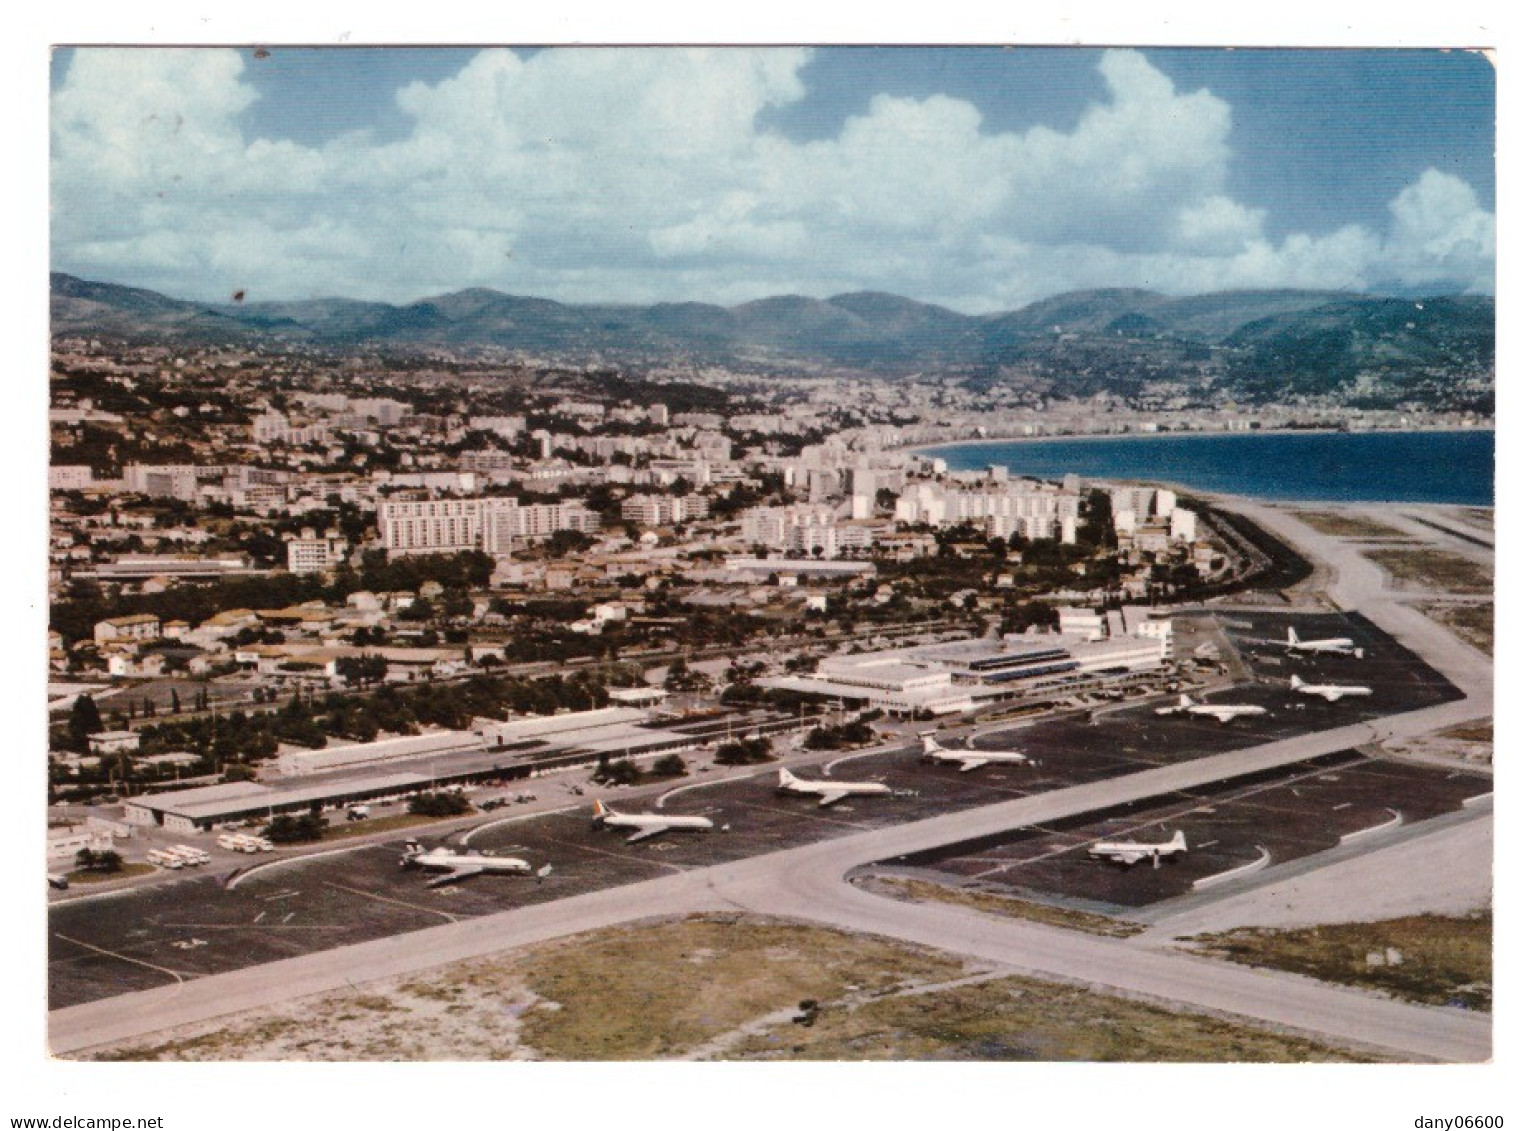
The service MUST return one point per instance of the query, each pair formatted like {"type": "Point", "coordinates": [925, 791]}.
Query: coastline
{"type": "Point", "coordinates": [1198, 468]}
{"type": "Point", "coordinates": [1077, 437]}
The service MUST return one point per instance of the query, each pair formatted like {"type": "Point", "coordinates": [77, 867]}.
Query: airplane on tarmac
{"type": "Point", "coordinates": [1330, 692]}
{"type": "Point", "coordinates": [1335, 645]}
{"type": "Point", "coordinates": [457, 866]}
{"type": "Point", "coordinates": [645, 824]}
{"type": "Point", "coordinates": [933, 751]}
{"type": "Point", "coordinates": [1220, 712]}
{"type": "Point", "coordinates": [1128, 852]}
{"type": "Point", "coordinates": [830, 791]}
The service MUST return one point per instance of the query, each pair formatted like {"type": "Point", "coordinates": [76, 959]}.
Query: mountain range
{"type": "Point", "coordinates": [1262, 344]}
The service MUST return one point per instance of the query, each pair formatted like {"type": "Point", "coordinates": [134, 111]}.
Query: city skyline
{"type": "Point", "coordinates": [978, 178]}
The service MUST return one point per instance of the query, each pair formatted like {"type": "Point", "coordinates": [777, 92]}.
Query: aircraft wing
{"type": "Point", "coordinates": [972, 764]}
{"type": "Point", "coordinates": [454, 876]}
{"type": "Point", "coordinates": [646, 831]}
{"type": "Point", "coordinates": [832, 797]}
{"type": "Point", "coordinates": [1129, 857]}
{"type": "Point", "coordinates": [1330, 695]}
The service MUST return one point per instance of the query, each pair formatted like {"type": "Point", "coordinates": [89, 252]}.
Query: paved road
{"type": "Point", "coordinates": [810, 883]}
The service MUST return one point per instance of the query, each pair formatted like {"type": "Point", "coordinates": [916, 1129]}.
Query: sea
{"type": "Point", "coordinates": [1357, 467]}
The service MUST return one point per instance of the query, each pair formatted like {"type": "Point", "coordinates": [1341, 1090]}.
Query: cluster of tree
{"type": "Point", "coordinates": [289, 829]}
{"type": "Point", "coordinates": [106, 861]}
{"type": "Point", "coordinates": [670, 765]}
{"type": "Point", "coordinates": [85, 603]}
{"type": "Point", "coordinates": [745, 751]}
{"type": "Point", "coordinates": [618, 771]}
{"type": "Point", "coordinates": [448, 803]}
{"type": "Point", "coordinates": [855, 733]}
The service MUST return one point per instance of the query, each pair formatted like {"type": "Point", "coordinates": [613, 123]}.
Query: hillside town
{"type": "Point", "coordinates": [258, 557]}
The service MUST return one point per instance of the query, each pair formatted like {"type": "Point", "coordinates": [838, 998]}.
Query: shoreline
{"type": "Point", "coordinates": [1077, 437]}
{"type": "Point", "coordinates": [921, 450]}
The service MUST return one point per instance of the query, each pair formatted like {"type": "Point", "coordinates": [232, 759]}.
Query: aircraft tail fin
{"type": "Point", "coordinates": [785, 777]}
{"type": "Point", "coordinates": [1295, 683]}
{"type": "Point", "coordinates": [1179, 843]}
{"type": "Point", "coordinates": [1185, 702]}
{"type": "Point", "coordinates": [1293, 636]}
{"type": "Point", "coordinates": [929, 744]}
{"type": "Point", "coordinates": [601, 811]}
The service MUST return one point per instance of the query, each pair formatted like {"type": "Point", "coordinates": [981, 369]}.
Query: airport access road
{"type": "Point", "coordinates": [810, 891]}
{"type": "Point", "coordinates": [810, 883]}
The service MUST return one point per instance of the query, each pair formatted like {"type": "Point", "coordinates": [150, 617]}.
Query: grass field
{"type": "Point", "coordinates": [1435, 570]}
{"type": "Point", "coordinates": [1348, 526]}
{"type": "Point", "coordinates": [1441, 959]}
{"type": "Point", "coordinates": [1473, 623]}
{"type": "Point", "coordinates": [724, 987]}
{"type": "Point", "coordinates": [923, 891]}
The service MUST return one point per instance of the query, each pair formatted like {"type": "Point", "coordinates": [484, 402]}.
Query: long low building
{"type": "Point", "coordinates": [365, 754]}
{"type": "Point", "coordinates": [198, 810]}
{"type": "Point", "coordinates": [953, 677]}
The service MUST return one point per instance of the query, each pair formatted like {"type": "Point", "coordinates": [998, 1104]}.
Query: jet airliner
{"type": "Point", "coordinates": [645, 824]}
{"type": "Point", "coordinates": [1220, 712]}
{"type": "Point", "coordinates": [830, 791]}
{"type": "Point", "coordinates": [1128, 852]}
{"type": "Point", "coordinates": [933, 751]}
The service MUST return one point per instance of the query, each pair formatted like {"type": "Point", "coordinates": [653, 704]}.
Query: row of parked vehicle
{"type": "Point", "coordinates": [178, 856]}
{"type": "Point", "coordinates": [245, 842]}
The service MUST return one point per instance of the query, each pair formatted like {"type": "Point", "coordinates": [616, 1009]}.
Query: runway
{"type": "Point", "coordinates": [809, 883]}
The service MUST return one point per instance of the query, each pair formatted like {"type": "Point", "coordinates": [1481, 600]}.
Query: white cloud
{"type": "Point", "coordinates": [635, 175]}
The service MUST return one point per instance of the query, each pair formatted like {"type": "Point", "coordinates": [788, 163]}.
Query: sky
{"type": "Point", "coordinates": [978, 178]}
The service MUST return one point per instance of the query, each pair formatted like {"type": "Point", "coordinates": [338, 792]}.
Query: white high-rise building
{"type": "Point", "coordinates": [436, 526]}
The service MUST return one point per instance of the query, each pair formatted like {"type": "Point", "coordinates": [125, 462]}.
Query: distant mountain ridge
{"type": "Point", "coordinates": [1257, 343]}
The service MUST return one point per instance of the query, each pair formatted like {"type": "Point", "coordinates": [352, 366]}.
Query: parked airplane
{"type": "Point", "coordinates": [1128, 852]}
{"type": "Point", "coordinates": [1330, 692]}
{"type": "Point", "coordinates": [645, 824]}
{"type": "Point", "coordinates": [830, 791]}
{"type": "Point", "coordinates": [1220, 712]}
{"type": "Point", "coordinates": [933, 751]}
{"type": "Point", "coordinates": [460, 865]}
{"type": "Point", "coordinates": [1337, 645]}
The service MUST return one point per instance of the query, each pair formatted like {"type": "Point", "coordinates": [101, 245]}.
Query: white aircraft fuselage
{"type": "Point", "coordinates": [646, 825]}
{"type": "Point", "coordinates": [830, 792]}
{"type": "Point", "coordinates": [1336, 645]}
{"type": "Point", "coordinates": [457, 866]}
{"type": "Point", "coordinates": [1330, 692]}
{"type": "Point", "coordinates": [933, 751]}
{"type": "Point", "coordinates": [1128, 852]}
{"type": "Point", "coordinates": [1220, 712]}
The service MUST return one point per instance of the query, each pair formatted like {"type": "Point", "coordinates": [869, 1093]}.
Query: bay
{"type": "Point", "coordinates": [1409, 467]}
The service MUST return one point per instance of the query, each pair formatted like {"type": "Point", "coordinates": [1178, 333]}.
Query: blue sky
{"type": "Point", "coordinates": [981, 178]}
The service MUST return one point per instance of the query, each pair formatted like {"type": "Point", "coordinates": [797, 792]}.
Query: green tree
{"type": "Point", "coordinates": [83, 721]}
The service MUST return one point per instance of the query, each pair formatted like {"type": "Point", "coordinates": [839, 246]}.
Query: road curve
{"type": "Point", "coordinates": [810, 883]}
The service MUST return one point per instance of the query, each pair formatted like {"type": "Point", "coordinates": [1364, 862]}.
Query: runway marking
{"type": "Point", "coordinates": [279, 895]}
{"type": "Point", "coordinates": [288, 917]}
{"type": "Point", "coordinates": [464, 839]}
{"type": "Point", "coordinates": [259, 917]}
{"type": "Point", "coordinates": [1323, 774]}
{"type": "Point", "coordinates": [616, 855]}
{"type": "Point", "coordinates": [662, 797]}
{"type": "Point", "coordinates": [805, 813]}
{"type": "Point", "coordinates": [397, 902]}
{"type": "Point", "coordinates": [871, 753]}
{"type": "Point", "coordinates": [178, 977]}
